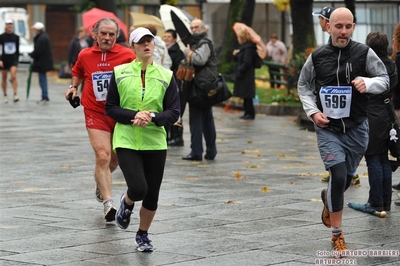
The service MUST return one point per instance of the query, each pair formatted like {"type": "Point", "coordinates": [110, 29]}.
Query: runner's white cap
{"type": "Point", "coordinates": [138, 34]}
{"type": "Point", "coordinates": [9, 21]}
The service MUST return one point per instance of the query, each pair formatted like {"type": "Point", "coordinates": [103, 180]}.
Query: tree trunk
{"type": "Point", "coordinates": [239, 11]}
{"type": "Point", "coordinates": [107, 5]}
{"type": "Point", "coordinates": [351, 4]}
{"type": "Point", "coordinates": [303, 25]}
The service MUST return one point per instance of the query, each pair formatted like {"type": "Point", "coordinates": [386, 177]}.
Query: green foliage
{"type": "Point", "coordinates": [295, 66]}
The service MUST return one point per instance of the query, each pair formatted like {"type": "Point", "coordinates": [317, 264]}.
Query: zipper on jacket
{"type": "Point", "coordinates": [338, 83]}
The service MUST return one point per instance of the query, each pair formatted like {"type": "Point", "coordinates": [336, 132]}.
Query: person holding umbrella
{"type": "Point", "coordinates": [42, 58]}
{"type": "Point", "coordinates": [143, 98]}
{"type": "Point", "coordinates": [94, 66]}
{"type": "Point", "coordinates": [201, 120]}
{"type": "Point", "coordinates": [245, 73]}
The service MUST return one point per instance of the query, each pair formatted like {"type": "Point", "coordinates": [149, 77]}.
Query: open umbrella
{"type": "Point", "coordinates": [89, 18]}
{"type": "Point", "coordinates": [174, 18]}
{"type": "Point", "coordinates": [141, 20]}
{"type": "Point", "coordinates": [255, 38]}
{"type": "Point", "coordinates": [28, 81]}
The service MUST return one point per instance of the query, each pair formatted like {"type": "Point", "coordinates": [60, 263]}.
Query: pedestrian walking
{"type": "Point", "coordinates": [201, 120]}
{"type": "Point", "coordinates": [143, 99]}
{"type": "Point", "coordinates": [9, 42]}
{"type": "Point", "coordinates": [42, 59]}
{"type": "Point", "coordinates": [333, 87]}
{"type": "Point", "coordinates": [94, 67]}
{"type": "Point", "coordinates": [376, 156]}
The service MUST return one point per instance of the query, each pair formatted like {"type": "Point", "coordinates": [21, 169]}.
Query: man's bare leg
{"type": "Point", "coordinates": [4, 83]}
{"type": "Point", "coordinates": [101, 143]}
{"type": "Point", "coordinates": [13, 73]}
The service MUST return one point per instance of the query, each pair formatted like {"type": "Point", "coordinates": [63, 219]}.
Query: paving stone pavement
{"type": "Point", "coordinates": [258, 203]}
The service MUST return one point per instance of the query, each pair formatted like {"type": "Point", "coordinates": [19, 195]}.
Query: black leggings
{"type": "Point", "coordinates": [143, 172]}
{"type": "Point", "coordinates": [338, 184]}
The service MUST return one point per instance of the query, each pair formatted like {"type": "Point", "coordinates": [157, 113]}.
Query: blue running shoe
{"type": "Point", "coordinates": [144, 243]}
{"type": "Point", "coordinates": [123, 215]}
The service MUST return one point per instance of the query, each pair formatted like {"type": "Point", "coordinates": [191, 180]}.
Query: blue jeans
{"type": "Point", "coordinates": [43, 85]}
{"type": "Point", "coordinates": [380, 180]}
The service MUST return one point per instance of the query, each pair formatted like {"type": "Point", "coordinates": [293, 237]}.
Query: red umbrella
{"type": "Point", "coordinates": [255, 38]}
{"type": "Point", "coordinates": [89, 18]}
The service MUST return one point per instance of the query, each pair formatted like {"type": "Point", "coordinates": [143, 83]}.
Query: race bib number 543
{"type": "Point", "coordinates": [101, 80]}
{"type": "Point", "coordinates": [336, 101]}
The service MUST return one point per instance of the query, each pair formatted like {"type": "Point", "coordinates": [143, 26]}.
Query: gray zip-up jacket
{"type": "Point", "coordinates": [333, 66]}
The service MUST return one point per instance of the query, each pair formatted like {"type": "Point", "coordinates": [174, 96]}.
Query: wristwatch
{"type": "Point", "coordinates": [152, 114]}
{"type": "Point", "coordinates": [73, 86]}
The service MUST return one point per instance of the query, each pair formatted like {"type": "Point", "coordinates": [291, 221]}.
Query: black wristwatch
{"type": "Point", "coordinates": [73, 86]}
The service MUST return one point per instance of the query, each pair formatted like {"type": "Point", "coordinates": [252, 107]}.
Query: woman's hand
{"type": "Point", "coordinates": [142, 119]}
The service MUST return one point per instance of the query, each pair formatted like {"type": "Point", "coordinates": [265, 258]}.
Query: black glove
{"type": "Point", "coordinates": [74, 102]}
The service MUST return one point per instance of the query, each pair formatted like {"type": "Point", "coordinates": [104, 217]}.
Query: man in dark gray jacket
{"type": "Point", "coordinates": [202, 56]}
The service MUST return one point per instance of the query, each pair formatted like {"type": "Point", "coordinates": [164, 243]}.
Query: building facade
{"type": "Point", "coordinates": [61, 20]}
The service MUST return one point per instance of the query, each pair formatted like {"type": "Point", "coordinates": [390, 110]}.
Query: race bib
{"type": "Point", "coordinates": [10, 48]}
{"type": "Point", "coordinates": [100, 81]}
{"type": "Point", "coordinates": [336, 101]}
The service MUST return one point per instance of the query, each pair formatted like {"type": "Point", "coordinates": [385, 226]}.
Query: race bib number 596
{"type": "Point", "coordinates": [101, 80]}
{"type": "Point", "coordinates": [336, 101]}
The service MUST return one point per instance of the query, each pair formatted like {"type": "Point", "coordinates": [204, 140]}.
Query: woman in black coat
{"type": "Point", "coordinates": [376, 156]}
{"type": "Point", "coordinates": [245, 74]}
{"type": "Point", "coordinates": [175, 132]}
{"type": "Point", "coordinates": [42, 58]}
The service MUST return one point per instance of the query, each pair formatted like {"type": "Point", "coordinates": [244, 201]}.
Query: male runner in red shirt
{"type": "Point", "coordinates": [94, 67]}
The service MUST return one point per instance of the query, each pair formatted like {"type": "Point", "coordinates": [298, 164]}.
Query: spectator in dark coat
{"type": "Point", "coordinates": [379, 168]}
{"type": "Point", "coordinates": [42, 58]}
{"type": "Point", "coordinates": [245, 74]}
{"type": "Point", "coordinates": [78, 42]}
{"type": "Point", "coordinates": [175, 132]}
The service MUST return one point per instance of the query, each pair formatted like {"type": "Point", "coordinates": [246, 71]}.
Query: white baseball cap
{"type": "Point", "coordinates": [9, 21]}
{"type": "Point", "coordinates": [38, 26]}
{"type": "Point", "coordinates": [138, 34]}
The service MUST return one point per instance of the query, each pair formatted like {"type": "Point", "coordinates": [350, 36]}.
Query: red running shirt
{"type": "Point", "coordinates": [96, 68]}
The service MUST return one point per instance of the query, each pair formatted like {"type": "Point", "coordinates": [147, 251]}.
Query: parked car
{"type": "Point", "coordinates": [25, 47]}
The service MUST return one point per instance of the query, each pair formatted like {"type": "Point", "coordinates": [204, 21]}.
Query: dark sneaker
{"type": "Point", "coordinates": [339, 247]}
{"type": "Point", "coordinates": [99, 197]}
{"type": "Point", "coordinates": [144, 243]}
{"type": "Point", "coordinates": [325, 217]}
{"type": "Point", "coordinates": [109, 211]}
{"type": "Point", "coordinates": [356, 180]}
{"type": "Point", "coordinates": [123, 215]}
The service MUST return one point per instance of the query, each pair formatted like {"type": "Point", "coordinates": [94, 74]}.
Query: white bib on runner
{"type": "Point", "coordinates": [101, 81]}
{"type": "Point", "coordinates": [336, 101]}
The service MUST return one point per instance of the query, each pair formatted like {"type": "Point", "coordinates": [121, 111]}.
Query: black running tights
{"type": "Point", "coordinates": [143, 172]}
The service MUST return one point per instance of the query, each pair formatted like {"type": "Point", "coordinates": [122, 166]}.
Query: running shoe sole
{"type": "Point", "coordinates": [110, 215]}
{"type": "Point", "coordinates": [325, 217]}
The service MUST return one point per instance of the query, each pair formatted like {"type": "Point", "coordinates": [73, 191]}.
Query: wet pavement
{"type": "Point", "coordinates": [258, 203]}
